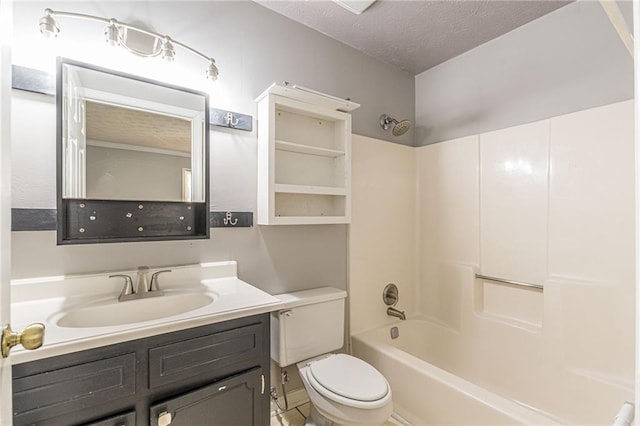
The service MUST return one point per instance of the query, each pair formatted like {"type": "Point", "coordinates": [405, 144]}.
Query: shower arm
{"type": "Point", "coordinates": [385, 121]}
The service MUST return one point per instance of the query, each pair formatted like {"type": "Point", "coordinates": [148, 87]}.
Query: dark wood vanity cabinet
{"type": "Point", "coordinates": [216, 374]}
{"type": "Point", "coordinates": [126, 419]}
{"type": "Point", "coordinates": [234, 401]}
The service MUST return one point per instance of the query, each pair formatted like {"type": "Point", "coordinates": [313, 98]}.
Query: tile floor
{"type": "Point", "coordinates": [296, 417]}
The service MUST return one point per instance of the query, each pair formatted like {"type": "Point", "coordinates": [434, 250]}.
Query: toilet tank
{"type": "Point", "coordinates": [311, 323]}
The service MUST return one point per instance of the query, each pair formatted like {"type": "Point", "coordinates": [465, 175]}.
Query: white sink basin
{"type": "Point", "coordinates": [112, 312]}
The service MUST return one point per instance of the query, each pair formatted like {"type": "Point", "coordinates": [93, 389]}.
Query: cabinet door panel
{"type": "Point", "coordinates": [207, 357]}
{"type": "Point", "coordinates": [128, 419]}
{"type": "Point", "coordinates": [231, 402]}
{"type": "Point", "coordinates": [53, 393]}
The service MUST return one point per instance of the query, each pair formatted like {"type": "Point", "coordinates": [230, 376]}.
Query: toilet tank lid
{"type": "Point", "coordinates": [308, 297]}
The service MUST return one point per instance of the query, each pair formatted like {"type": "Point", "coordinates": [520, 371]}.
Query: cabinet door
{"type": "Point", "coordinates": [202, 360]}
{"type": "Point", "coordinates": [50, 395]}
{"type": "Point", "coordinates": [230, 402]}
{"type": "Point", "coordinates": [128, 419]}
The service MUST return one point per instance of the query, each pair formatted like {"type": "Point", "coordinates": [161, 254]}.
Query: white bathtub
{"type": "Point", "coordinates": [425, 394]}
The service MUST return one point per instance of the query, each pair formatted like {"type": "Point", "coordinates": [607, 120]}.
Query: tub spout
{"type": "Point", "coordinates": [393, 312]}
{"type": "Point", "coordinates": [625, 415]}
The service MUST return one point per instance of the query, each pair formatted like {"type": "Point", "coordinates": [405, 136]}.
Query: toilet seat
{"type": "Point", "coordinates": [349, 381]}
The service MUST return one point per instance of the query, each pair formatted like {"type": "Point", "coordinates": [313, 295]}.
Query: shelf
{"type": "Point", "coordinates": [307, 189]}
{"type": "Point", "coordinates": [304, 158]}
{"type": "Point", "coordinates": [310, 220]}
{"type": "Point", "coordinates": [307, 149]}
{"type": "Point", "coordinates": [309, 96]}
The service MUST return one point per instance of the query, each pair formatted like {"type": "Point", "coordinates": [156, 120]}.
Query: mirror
{"type": "Point", "coordinates": [132, 154]}
{"type": "Point", "coordinates": [132, 158]}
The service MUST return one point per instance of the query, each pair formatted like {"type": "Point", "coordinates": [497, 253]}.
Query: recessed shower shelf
{"type": "Point", "coordinates": [307, 189]}
{"type": "Point", "coordinates": [308, 149]}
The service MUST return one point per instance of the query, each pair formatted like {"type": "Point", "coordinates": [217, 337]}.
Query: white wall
{"type": "Point", "coordinates": [5, 200]}
{"type": "Point", "coordinates": [551, 203]}
{"type": "Point", "coordinates": [382, 231]}
{"type": "Point", "coordinates": [569, 60]}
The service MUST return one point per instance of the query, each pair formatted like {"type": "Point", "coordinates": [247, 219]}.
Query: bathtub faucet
{"type": "Point", "coordinates": [393, 312]}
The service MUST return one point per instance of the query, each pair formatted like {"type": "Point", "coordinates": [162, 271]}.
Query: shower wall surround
{"type": "Point", "coordinates": [382, 233]}
{"type": "Point", "coordinates": [550, 203]}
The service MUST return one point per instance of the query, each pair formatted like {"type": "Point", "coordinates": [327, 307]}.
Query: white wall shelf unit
{"type": "Point", "coordinates": [305, 189]}
{"type": "Point", "coordinates": [304, 157]}
{"type": "Point", "coordinates": [306, 149]}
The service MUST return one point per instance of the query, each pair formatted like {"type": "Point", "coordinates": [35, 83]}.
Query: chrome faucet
{"type": "Point", "coordinates": [142, 283]}
{"type": "Point", "coordinates": [154, 286]}
{"type": "Point", "coordinates": [393, 312]}
{"type": "Point", "coordinates": [143, 288]}
{"type": "Point", "coordinates": [127, 290]}
{"type": "Point", "coordinates": [390, 296]}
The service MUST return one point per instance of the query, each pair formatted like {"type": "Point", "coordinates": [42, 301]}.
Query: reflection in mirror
{"type": "Point", "coordinates": [136, 155]}
{"type": "Point", "coordinates": [122, 138]}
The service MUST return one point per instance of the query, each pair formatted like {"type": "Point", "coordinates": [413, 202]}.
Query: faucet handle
{"type": "Point", "coordinates": [154, 280]}
{"type": "Point", "coordinates": [128, 285]}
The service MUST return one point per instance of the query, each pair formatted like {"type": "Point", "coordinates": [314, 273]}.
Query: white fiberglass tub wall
{"type": "Point", "coordinates": [382, 232]}
{"type": "Point", "coordinates": [550, 203]}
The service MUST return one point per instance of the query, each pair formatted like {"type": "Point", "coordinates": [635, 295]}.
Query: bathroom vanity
{"type": "Point", "coordinates": [208, 365]}
{"type": "Point", "coordinates": [213, 374]}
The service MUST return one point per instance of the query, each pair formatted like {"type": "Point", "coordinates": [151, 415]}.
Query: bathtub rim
{"type": "Point", "coordinates": [517, 410]}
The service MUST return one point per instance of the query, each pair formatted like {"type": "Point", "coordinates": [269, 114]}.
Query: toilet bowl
{"type": "Point", "coordinates": [344, 390]}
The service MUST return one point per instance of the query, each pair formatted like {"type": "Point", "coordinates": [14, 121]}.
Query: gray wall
{"type": "Point", "coordinates": [253, 47]}
{"type": "Point", "coordinates": [569, 60]}
{"type": "Point", "coordinates": [134, 175]}
{"type": "Point", "coordinates": [275, 259]}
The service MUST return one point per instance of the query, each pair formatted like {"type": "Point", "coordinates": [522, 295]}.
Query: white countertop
{"type": "Point", "coordinates": [43, 299]}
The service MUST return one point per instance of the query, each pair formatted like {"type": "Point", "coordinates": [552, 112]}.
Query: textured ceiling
{"type": "Point", "coordinates": [107, 123]}
{"type": "Point", "coordinates": [415, 35]}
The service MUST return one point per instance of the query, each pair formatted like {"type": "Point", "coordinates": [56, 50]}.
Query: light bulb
{"type": "Point", "coordinates": [112, 33]}
{"type": "Point", "coordinates": [48, 26]}
{"type": "Point", "coordinates": [168, 52]}
{"type": "Point", "coordinates": [212, 70]}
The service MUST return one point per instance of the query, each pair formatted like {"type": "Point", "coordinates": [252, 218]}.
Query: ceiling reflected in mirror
{"type": "Point", "coordinates": [127, 126]}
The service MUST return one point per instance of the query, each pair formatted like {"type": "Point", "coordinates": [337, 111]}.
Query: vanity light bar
{"type": "Point", "coordinates": [114, 36]}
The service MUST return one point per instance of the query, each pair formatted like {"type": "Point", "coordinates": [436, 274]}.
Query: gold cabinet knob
{"type": "Point", "coordinates": [31, 337]}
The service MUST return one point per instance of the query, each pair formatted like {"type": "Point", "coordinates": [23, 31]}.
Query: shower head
{"type": "Point", "coordinates": [399, 127]}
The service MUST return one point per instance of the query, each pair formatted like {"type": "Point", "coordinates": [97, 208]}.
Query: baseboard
{"type": "Point", "coordinates": [299, 397]}
{"type": "Point", "coordinates": [405, 417]}
{"type": "Point", "coordinates": [296, 397]}
{"type": "Point", "coordinates": [397, 418]}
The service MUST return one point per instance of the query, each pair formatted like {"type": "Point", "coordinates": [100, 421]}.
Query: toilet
{"type": "Point", "coordinates": [342, 389]}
